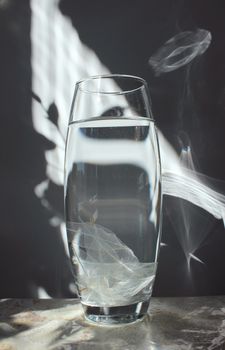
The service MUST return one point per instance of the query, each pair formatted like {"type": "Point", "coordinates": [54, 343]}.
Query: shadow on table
{"type": "Point", "coordinates": [25, 309]}
{"type": "Point", "coordinates": [173, 324]}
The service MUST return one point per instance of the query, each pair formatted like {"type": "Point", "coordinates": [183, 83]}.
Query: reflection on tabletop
{"type": "Point", "coordinates": [172, 324]}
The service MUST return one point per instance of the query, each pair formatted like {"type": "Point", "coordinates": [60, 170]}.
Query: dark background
{"type": "Point", "coordinates": [123, 34]}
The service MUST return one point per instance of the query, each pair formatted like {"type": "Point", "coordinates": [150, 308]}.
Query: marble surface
{"type": "Point", "coordinates": [172, 324]}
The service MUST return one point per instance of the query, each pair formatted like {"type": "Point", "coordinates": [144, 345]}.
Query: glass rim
{"type": "Point", "coordinates": [143, 83]}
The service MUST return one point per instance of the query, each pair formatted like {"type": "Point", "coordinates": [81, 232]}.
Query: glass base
{"type": "Point", "coordinates": [116, 315]}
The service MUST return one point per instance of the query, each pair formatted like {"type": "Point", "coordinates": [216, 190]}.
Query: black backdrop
{"type": "Point", "coordinates": [123, 34]}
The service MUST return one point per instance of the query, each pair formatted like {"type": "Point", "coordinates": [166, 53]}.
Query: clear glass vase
{"type": "Point", "coordinates": [113, 197]}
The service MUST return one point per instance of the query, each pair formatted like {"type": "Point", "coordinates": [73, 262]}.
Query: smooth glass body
{"type": "Point", "coordinates": [113, 197]}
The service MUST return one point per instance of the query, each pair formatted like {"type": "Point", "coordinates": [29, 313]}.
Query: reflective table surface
{"type": "Point", "coordinates": [172, 324]}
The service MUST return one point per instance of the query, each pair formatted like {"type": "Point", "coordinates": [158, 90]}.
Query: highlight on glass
{"type": "Point", "coordinates": [113, 197]}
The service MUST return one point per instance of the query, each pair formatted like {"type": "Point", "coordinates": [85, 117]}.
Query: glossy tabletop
{"type": "Point", "coordinates": [172, 324]}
